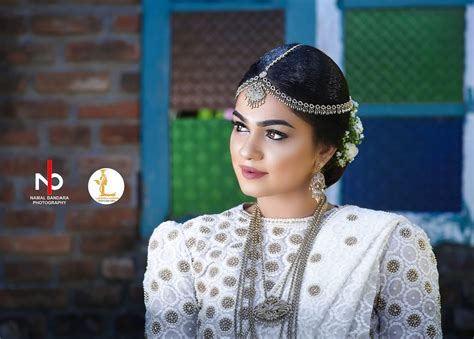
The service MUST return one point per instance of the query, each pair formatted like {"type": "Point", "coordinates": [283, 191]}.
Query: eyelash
{"type": "Point", "coordinates": [282, 135]}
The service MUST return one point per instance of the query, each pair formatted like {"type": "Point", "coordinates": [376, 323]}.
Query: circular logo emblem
{"type": "Point", "coordinates": [106, 186]}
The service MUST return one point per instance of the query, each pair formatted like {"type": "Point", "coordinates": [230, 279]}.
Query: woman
{"type": "Point", "coordinates": [292, 264]}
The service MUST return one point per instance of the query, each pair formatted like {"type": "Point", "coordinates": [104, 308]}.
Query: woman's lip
{"type": "Point", "coordinates": [251, 169]}
{"type": "Point", "coordinates": [251, 173]}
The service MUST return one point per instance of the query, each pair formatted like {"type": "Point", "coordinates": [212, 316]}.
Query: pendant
{"type": "Point", "coordinates": [272, 310]}
{"type": "Point", "coordinates": [256, 94]}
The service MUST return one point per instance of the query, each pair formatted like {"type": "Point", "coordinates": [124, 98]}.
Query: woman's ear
{"type": "Point", "coordinates": [324, 153]}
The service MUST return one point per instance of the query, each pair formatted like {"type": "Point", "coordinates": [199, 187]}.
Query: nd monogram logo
{"type": "Point", "coordinates": [48, 181]}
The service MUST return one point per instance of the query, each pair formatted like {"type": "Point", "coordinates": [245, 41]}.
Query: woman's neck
{"type": "Point", "coordinates": [301, 213]}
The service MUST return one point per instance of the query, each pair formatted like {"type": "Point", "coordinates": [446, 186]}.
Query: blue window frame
{"type": "Point", "coordinates": [155, 83]}
{"type": "Point", "coordinates": [412, 121]}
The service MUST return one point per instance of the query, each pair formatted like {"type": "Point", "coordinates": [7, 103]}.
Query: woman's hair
{"type": "Point", "coordinates": [309, 75]}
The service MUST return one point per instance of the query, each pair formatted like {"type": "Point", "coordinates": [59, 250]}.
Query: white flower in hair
{"type": "Point", "coordinates": [352, 151]}
{"type": "Point", "coordinates": [352, 137]}
{"type": "Point", "coordinates": [358, 128]}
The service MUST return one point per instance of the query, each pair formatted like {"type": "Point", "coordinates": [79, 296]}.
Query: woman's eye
{"type": "Point", "coordinates": [237, 125]}
{"type": "Point", "coordinates": [273, 134]}
{"type": "Point", "coordinates": [280, 136]}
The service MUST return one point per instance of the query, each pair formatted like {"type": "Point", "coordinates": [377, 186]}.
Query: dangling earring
{"type": "Point", "coordinates": [317, 186]}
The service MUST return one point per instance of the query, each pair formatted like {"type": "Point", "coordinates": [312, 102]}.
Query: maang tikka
{"type": "Point", "coordinates": [259, 86]}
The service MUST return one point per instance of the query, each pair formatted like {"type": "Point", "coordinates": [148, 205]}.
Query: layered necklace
{"type": "Point", "coordinates": [275, 310]}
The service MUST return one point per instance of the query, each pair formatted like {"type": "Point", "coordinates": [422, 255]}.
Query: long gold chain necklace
{"type": "Point", "coordinates": [274, 309]}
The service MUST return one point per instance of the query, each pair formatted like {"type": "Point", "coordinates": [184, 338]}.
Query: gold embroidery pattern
{"type": "Point", "coordinates": [314, 290]}
{"type": "Point", "coordinates": [156, 327]}
{"type": "Point", "coordinates": [351, 241]}
{"type": "Point", "coordinates": [394, 310]}
{"type": "Point", "coordinates": [405, 232]}
{"type": "Point", "coordinates": [352, 217]}
{"type": "Point", "coordinates": [393, 266]}
{"type": "Point", "coordinates": [165, 274]}
{"type": "Point", "coordinates": [414, 320]}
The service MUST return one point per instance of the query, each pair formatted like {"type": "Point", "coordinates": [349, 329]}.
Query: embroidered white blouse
{"type": "Point", "coordinates": [370, 274]}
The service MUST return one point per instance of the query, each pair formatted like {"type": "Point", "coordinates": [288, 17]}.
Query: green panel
{"type": "Point", "coordinates": [405, 55]}
{"type": "Point", "coordinates": [203, 180]}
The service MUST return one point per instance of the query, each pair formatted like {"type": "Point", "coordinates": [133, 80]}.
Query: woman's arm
{"type": "Point", "coordinates": [169, 294]}
{"type": "Point", "coordinates": [408, 302]}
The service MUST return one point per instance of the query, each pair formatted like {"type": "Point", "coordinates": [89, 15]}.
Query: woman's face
{"type": "Point", "coordinates": [273, 140]}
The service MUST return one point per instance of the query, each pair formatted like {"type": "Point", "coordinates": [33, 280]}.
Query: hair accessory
{"type": "Point", "coordinates": [259, 86]}
{"type": "Point", "coordinates": [352, 137]}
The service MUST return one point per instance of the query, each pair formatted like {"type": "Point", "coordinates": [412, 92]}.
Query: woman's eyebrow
{"type": "Point", "coordinates": [265, 122]}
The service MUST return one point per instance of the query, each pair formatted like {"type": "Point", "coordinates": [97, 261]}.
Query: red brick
{"type": "Point", "coordinates": [7, 192]}
{"type": "Point", "coordinates": [12, 25]}
{"type": "Point", "coordinates": [98, 296]}
{"type": "Point", "coordinates": [33, 110]}
{"type": "Point", "coordinates": [121, 163]}
{"type": "Point", "coordinates": [109, 51]}
{"type": "Point", "coordinates": [69, 135]}
{"type": "Point", "coordinates": [72, 82]}
{"type": "Point", "coordinates": [30, 270]}
{"type": "Point", "coordinates": [29, 166]}
{"type": "Point", "coordinates": [127, 23]}
{"type": "Point", "coordinates": [26, 54]}
{"type": "Point", "coordinates": [120, 134]}
{"type": "Point", "coordinates": [30, 218]}
{"type": "Point", "coordinates": [12, 83]}
{"type": "Point", "coordinates": [118, 268]}
{"type": "Point", "coordinates": [65, 25]}
{"type": "Point", "coordinates": [123, 109]}
{"type": "Point", "coordinates": [33, 298]}
{"type": "Point", "coordinates": [36, 244]}
{"type": "Point", "coordinates": [102, 219]}
{"type": "Point", "coordinates": [11, 135]}
{"type": "Point", "coordinates": [130, 82]}
{"type": "Point", "coordinates": [77, 269]}
{"type": "Point", "coordinates": [107, 243]}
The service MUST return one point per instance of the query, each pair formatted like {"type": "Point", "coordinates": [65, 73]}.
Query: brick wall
{"type": "Point", "coordinates": [69, 92]}
{"type": "Point", "coordinates": [456, 281]}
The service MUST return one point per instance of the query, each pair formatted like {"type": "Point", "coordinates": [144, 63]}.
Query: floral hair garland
{"type": "Point", "coordinates": [352, 137]}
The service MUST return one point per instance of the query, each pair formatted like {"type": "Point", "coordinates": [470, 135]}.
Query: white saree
{"type": "Point", "coordinates": [371, 274]}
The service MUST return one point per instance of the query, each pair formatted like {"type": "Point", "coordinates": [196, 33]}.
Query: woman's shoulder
{"type": "Point", "coordinates": [204, 223]}
{"type": "Point", "coordinates": [403, 226]}
{"type": "Point", "coordinates": [365, 214]}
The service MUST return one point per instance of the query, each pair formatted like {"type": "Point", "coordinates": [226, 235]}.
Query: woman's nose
{"type": "Point", "coordinates": [251, 148]}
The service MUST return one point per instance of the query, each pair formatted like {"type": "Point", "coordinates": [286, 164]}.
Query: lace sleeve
{"type": "Point", "coordinates": [168, 284]}
{"type": "Point", "coordinates": [408, 303]}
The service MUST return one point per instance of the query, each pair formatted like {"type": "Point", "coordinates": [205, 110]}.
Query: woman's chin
{"type": "Point", "coordinates": [251, 189]}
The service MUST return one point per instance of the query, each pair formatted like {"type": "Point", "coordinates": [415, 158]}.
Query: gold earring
{"type": "Point", "coordinates": [318, 186]}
